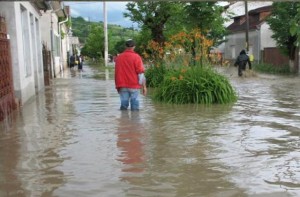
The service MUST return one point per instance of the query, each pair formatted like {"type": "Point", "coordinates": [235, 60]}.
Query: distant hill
{"type": "Point", "coordinates": [80, 29]}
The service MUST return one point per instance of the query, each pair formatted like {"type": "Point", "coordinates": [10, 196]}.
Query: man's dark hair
{"type": "Point", "coordinates": [130, 43]}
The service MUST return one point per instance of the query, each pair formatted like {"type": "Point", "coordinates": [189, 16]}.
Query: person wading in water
{"type": "Point", "coordinates": [241, 62]}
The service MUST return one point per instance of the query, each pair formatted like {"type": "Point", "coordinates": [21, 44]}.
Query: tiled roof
{"type": "Point", "coordinates": [261, 9]}
{"type": "Point", "coordinates": [256, 18]}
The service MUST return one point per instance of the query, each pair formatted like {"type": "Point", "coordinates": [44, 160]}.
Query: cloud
{"type": "Point", "coordinates": [93, 11]}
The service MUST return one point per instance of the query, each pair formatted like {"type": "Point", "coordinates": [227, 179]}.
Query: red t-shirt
{"type": "Point", "coordinates": [127, 67]}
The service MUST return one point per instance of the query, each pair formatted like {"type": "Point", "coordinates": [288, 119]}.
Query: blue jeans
{"type": "Point", "coordinates": [129, 95]}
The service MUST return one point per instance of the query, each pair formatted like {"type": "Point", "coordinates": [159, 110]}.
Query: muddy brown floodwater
{"type": "Point", "coordinates": [72, 141]}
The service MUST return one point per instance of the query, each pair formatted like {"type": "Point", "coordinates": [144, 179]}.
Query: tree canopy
{"type": "Point", "coordinates": [283, 14]}
{"type": "Point", "coordinates": [169, 18]}
{"type": "Point", "coordinates": [152, 15]}
{"type": "Point", "coordinates": [295, 25]}
{"type": "Point", "coordinates": [95, 42]}
{"type": "Point", "coordinates": [207, 16]}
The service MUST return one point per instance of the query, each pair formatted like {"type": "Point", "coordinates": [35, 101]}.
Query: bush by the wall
{"type": "Point", "coordinates": [268, 68]}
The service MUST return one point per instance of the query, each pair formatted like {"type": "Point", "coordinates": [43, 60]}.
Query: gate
{"type": "Point", "coordinates": [47, 65]}
{"type": "Point", "coordinates": [273, 56]}
{"type": "Point", "coordinates": [7, 98]}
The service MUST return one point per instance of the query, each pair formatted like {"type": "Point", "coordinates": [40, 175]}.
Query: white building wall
{"type": "Point", "coordinates": [46, 27]}
{"type": "Point", "coordinates": [24, 40]}
{"type": "Point", "coordinates": [266, 40]}
{"type": "Point", "coordinates": [49, 21]}
{"type": "Point", "coordinates": [64, 46]}
{"type": "Point", "coordinates": [40, 66]}
{"type": "Point", "coordinates": [237, 42]}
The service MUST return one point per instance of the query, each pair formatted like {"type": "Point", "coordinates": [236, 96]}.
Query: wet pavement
{"type": "Point", "coordinates": [71, 140]}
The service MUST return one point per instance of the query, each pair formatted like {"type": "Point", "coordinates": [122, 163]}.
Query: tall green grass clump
{"type": "Point", "coordinates": [199, 85]}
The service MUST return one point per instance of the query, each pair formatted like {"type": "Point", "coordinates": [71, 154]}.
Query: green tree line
{"type": "Point", "coordinates": [91, 36]}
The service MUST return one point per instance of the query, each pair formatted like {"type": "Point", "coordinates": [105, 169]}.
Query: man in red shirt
{"type": "Point", "coordinates": [128, 67]}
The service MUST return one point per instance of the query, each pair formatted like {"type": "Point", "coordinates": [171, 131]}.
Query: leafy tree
{"type": "Point", "coordinates": [177, 22]}
{"type": "Point", "coordinates": [207, 16]}
{"type": "Point", "coordinates": [295, 25]}
{"type": "Point", "coordinates": [80, 28]}
{"type": "Point", "coordinates": [84, 51]}
{"type": "Point", "coordinates": [143, 39]}
{"type": "Point", "coordinates": [280, 23]}
{"type": "Point", "coordinates": [164, 19]}
{"type": "Point", "coordinates": [153, 15]}
{"type": "Point", "coordinates": [95, 42]}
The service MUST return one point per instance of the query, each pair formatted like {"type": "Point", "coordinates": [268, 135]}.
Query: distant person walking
{"type": "Point", "coordinates": [80, 62]}
{"type": "Point", "coordinates": [77, 62]}
{"type": "Point", "coordinates": [72, 61]}
{"type": "Point", "coordinates": [241, 62]}
{"type": "Point", "coordinates": [128, 67]}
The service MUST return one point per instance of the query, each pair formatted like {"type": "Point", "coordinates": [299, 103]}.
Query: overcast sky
{"type": "Point", "coordinates": [93, 11]}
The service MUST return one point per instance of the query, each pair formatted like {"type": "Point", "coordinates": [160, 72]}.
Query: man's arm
{"type": "Point", "coordinates": [144, 88]}
{"type": "Point", "coordinates": [142, 82]}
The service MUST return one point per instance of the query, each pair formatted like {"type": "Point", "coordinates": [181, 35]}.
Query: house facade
{"type": "Point", "coordinates": [24, 33]}
{"type": "Point", "coordinates": [28, 26]}
{"type": "Point", "coordinates": [260, 42]}
{"type": "Point", "coordinates": [55, 35]}
{"type": "Point", "coordinates": [259, 35]}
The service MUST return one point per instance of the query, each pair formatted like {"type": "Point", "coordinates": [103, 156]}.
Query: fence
{"type": "Point", "coordinates": [47, 65]}
{"type": "Point", "coordinates": [274, 57]}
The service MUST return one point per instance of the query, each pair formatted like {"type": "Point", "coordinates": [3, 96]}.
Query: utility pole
{"type": "Point", "coordinates": [247, 25]}
{"type": "Point", "coordinates": [132, 31]}
{"type": "Point", "coordinates": [105, 34]}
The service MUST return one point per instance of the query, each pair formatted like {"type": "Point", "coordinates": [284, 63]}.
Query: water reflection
{"type": "Point", "coordinates": [130, 136]}
{"type": "Point", "coordinates": [10, 185]}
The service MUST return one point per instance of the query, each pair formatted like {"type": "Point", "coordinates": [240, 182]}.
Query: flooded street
{"type": "Point", "coordinates": [73, 141]}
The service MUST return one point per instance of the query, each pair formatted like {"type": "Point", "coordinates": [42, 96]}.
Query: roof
{"type": "Point", "coordinates": [261, 9]}
{"type": "Point", "coordinates": [254, 21]}
{"type": "Point", "coordinates": [41, 5]}
{"type": "Point", "coordinates": [55, 6]}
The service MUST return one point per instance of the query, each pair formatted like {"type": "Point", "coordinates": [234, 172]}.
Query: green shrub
{"type": "Point", "coordinates": [201, 85]}
{"type": "Point", "coordinates": [155, 75]}
{"type": "Point", "coordinates": [268, 68]}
